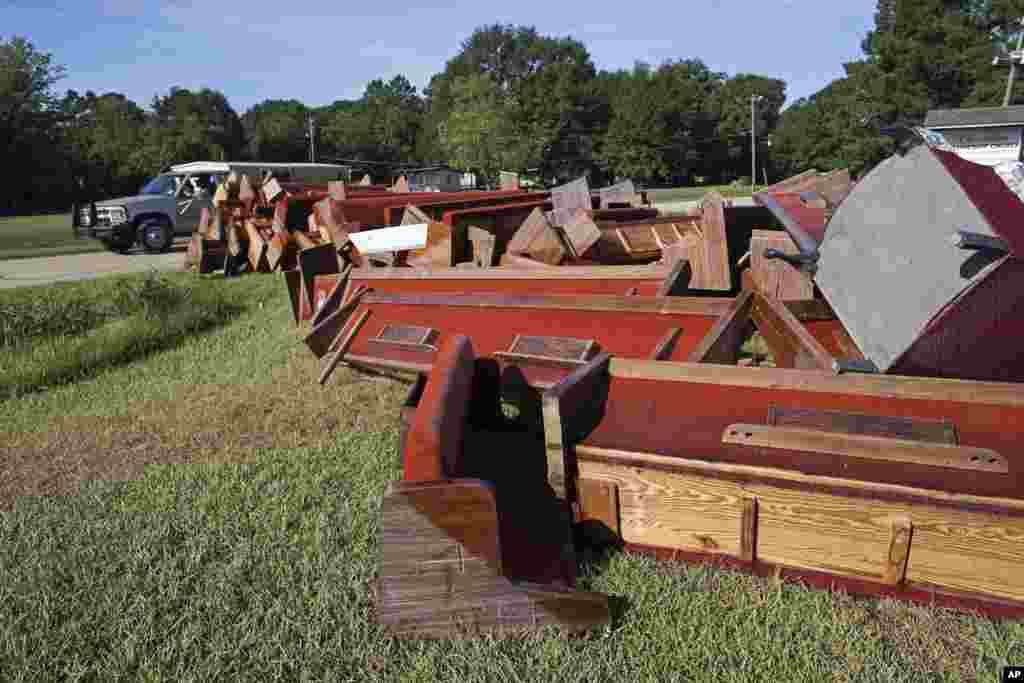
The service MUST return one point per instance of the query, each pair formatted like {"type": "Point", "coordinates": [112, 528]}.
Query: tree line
{"type": "Point", "coordinates": [513, 99]}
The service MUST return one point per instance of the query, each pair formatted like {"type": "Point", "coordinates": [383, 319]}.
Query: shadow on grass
{"type": "Point", "coordinates": [48, 343]}
{"type": "Point", "coordinates": [70, 359]}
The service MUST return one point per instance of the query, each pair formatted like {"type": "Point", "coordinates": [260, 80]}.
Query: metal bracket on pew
{"type": "Point", "coordinates": [844, 366]}
{"type": "Point", "coordinates": [553, 350]}
{"type": "Point", "coordinates": [976, 240]}
{"type": "Point", "coordinates": [407, 336]}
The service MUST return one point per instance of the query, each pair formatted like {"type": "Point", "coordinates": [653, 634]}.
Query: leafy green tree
{"type": "Point", "coordinates": [921, 55]}
{"type": "Point", "coordinates": [662, 121]}
{"type": "Point", "coordinates": [538, 87]}
{"type": "Point", "coordinates": [29, 127]}
{"type": "Point", "coordinates": [276, 130]}
{"type": "Point", "coordinates": [383, 125]}
{"type": "Point", "coordinates": [826, 130]}
{"type": "Point", "coordinates": [190, 126]}
{"type": "Point", "coordinates": [103, 136]}
{"type": "Point", "coordinates": [477, 133]}
{"type": "Point", "coordinates": [729, 156]}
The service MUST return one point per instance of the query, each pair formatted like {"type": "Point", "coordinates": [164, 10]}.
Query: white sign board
{"type": "Point", "coordinates": [384, 240]}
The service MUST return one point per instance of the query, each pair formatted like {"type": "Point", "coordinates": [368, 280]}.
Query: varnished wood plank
{"type": "Point", "coordinates": [572, 195]}
{"type": "Point", "coordinates": [722, 343]}
{"type": "Point", "coordinates": [791, 344]}
{"type": "Point", "coordinates": [706, 306]}
{"type": "Point", "coordinates": [748, 530]}
{"type": "Point", "coordinates": [313, 261]}
{"type": "Point", "coordinates": [783, 477]}
{"type": "Point", "coordinates": [774, 277]}
{"type": "Point", "coordinates": [843, 534]}
{"type": "Point", "coordinates": [293, 280]}
{"type": "Point", "coordinates": [257, 247]}
{"type": "Point", "coordinates": [439, 572]}
{"type": "Point", "coordinates": [895, 567]}
{"type": "Point", "coordinates": [969, 551]}
{"type": "Point", "coordinates": [434, 443]}
{"type": "Point", "coordinates": [678, 280]}
{"type": "Point", "coordinates": [414, 215]}
{"type": "Point", "coordinates": [674, 511]}
{"type": "Point", "coordinates": [846, 344]}
{"type": "Point", "coordinates": [866, 447]}
{"type": "Point", "coordinates": [323, 334]}
{"type": "Point", "coordinates": [881, 386]}
{"type": "Point", "coordinates": [388, 364]}
{"type": "Point", "coordinates": [654, 272]}
{"type": "Point", "coordinates": [439, 251]}
{"type": "Point", "coordinates": [529, 231]}
{"type": "Point", "coordinates": [582, 233]}
{"type": "Point", "coordinates": [484, 245]}
{"type": "Point", "coordinates": [271, 189]}
{"type": "Point", "coordinates": [337, 351]}
{"type": "Point", "coordinates": [664, 348]}
{"type": "Point", "coordinates": [717, 273]}
{"type": "Point", "coordinates": [510, 260]}
{"type": "Point", "coordinates": [548, 247]}
{"type": "Point", "coordinates": [812, 309]}
{"type": "Point", "coordinates": [599, 503]}
{"type": "Point", "coordinates": [561, 402]}
{"type": "Point", "coordinates": [334, 298]}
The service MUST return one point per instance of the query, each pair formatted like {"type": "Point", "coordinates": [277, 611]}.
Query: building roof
{"type": "Point", "coordinates": [980, 116]}
{"type": "Point", "coordinates": [228, 166]}
{"type": "Point", "coordinates": [427, 169]}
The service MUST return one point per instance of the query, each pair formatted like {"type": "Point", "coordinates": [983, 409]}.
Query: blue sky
{"type": "Point", "coordinates": [319, 51]}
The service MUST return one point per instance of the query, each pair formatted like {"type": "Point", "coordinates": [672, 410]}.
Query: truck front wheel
{"type": "Point", "coordinates": [156, 235]}
{"type": "Point", "coordinates": [120, 242]}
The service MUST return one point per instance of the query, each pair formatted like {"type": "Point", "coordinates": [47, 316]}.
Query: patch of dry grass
{"type": "Point", "coordinates": [203, 423]}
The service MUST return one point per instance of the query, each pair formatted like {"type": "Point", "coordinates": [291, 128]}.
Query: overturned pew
{"type": "Point", "coordinates": [921, 262]}
{"type": "Point", "coordinates": [331, 290]}
{"type": "Point", "coordinates": [401, 331]}
{"type": "Point", "coordinates": [467, 545]}
{"type": "Point", "coordinates": [882, 485]}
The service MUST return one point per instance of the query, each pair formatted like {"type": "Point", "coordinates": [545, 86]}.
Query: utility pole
{"type": "Point", "coordinates": [312, 138]}
{"type": "Point", "coordinates": [1013, 58]}
{"type": "Point", "coordinates": [754, 99]}
{"type": "Point", "coordinates": [1013, 73]}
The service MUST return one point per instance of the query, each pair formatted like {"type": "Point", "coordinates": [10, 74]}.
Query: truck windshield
{"type": "Point", "coordinates": [162, 184]}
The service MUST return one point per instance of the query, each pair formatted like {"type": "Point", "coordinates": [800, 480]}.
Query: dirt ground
{"type": "Point", "coordinates": [49, 269]}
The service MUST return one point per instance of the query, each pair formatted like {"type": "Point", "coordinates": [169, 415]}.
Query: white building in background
{"type": "Point", "coordinates": [985, 135]}
{"type": "Point", "coordinates": [439, 179]}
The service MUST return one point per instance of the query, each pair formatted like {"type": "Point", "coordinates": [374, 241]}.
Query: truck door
{"type": "Point", "coordinates": [195, 194]}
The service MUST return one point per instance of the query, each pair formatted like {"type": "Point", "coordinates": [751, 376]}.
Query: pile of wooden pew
{"type": "Point", "coordinates": [586, 377]}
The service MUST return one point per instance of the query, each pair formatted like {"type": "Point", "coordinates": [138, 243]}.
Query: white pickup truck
{"type": "Point", "coordinates": [170, 204]}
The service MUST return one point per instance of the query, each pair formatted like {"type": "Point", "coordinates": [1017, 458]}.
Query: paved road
{"type": "Point", "coordinates": [48, 269]}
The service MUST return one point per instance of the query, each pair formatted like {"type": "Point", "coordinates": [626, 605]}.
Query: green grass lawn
{"type": "Point", "coordinates": [28, 236]}
{"type": "Point", "coordinates": [202, 510]}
